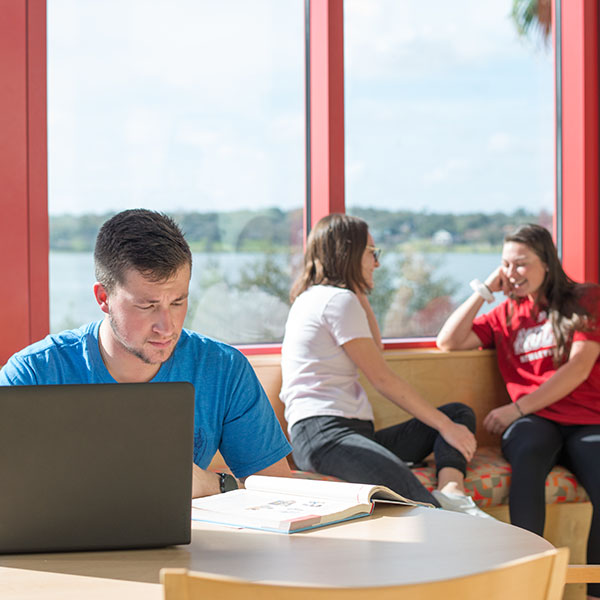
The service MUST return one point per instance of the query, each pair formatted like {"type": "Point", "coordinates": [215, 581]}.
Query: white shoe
{"type": "Point", "coordinates": [459, 503]}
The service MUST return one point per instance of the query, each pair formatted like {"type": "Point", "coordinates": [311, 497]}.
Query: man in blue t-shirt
{"type": "Point", "coordinates": [143, 268]}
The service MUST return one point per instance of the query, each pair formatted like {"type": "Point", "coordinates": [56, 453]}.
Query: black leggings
{"type": "Point", "coordinates": [533, 445]}
{"type": "Point", "coordinates": [352, 450]}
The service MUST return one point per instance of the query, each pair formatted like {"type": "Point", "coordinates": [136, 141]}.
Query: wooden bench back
{"type": "Point", "coordinates": [470, 377]}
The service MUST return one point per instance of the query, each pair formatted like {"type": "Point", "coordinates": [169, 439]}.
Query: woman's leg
{"type": "Point", "coordinates": [582, 449]}
{"type": "Point", "coordinates": [345, 448]}
{"type": "Point", "coordinates": [532, 445]}
{"type": "Point", "coordinates": [451, 464]}
{"type": "Point", "coordinates": [413, 441]}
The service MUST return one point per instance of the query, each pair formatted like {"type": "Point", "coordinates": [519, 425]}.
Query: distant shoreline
{"type": "Point", "coordinates": [425, 247]}
{"type": "Point", "coordinates": [274, 231]}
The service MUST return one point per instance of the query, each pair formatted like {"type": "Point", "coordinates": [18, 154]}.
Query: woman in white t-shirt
{"type": "Point", "coordinates": [332, 332]}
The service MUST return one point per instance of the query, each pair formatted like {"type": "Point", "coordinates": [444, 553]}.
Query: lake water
{"type": "Point", "coordinates": [217, 307]}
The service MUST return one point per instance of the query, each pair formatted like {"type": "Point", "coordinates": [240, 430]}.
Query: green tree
{"type": "Point", "coordinates": [267, 274]}
{"type": "Point", "coordinates": [533, 18]}
{"type": "Point", "coordinates": [418, 303]}
{"type": "Point", "coordinates": [383, 292]}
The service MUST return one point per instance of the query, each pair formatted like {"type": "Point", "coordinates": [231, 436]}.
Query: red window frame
{"type": "Point", "coordinates": [578, 119]}
{"type": "Point", "coordinates": [24, 295]}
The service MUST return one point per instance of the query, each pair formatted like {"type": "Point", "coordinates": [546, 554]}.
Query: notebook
{"type": "Point", "coordinates": [95, 467]}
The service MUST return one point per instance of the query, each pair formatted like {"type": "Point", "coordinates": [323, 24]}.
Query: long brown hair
{"type": "Point", "coordinates": [558, 294]}
{"type": "Point", "coordinates": [333, 256]}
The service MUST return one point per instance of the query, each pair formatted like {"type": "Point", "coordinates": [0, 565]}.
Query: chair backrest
{"type": "Point", "coordinates": [537, 577]}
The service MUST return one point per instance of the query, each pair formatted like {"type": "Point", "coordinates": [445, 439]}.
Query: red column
{"type": "Point", "coordinates": [579, 34]}
{"type": "Point", "coordinates": [24, 311]}
{"type": "Point", "coordinates": [326, 111]}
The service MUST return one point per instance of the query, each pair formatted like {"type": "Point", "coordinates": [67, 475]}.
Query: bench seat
{"type": "Point", "coordinates": [488, 480]}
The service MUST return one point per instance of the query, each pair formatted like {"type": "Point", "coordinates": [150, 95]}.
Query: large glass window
{"type": "Point", "coordinates": [194, 108]}
{"type": "Point", "coordinates": [449, 145]}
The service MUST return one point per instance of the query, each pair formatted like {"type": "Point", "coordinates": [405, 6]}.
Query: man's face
{"type": "Point", "coordinates": [146, 317]}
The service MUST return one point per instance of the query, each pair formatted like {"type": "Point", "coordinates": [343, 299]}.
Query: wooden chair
{"type": "Point", "coordinates": [583, 574]}
{"type": "Point", "coordinates": [537, 577]}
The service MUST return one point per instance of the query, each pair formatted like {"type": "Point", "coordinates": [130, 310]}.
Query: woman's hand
{"type": "Point", "coordinates": [497, 420]}
{"type": "Point", "coordinates": [461, 438]}
{"type": "Point", "coordinates": [497, 281]}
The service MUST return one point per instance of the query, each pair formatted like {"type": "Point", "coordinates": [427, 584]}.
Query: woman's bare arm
{"type": "Point", "coordinates": [568, 376]}
{"type": "Point", "coordinates": [371, 319]}
{"type": "Point", "coordinates": [367, 357]}
{"type": "Point", "coordinates": [456, 333]}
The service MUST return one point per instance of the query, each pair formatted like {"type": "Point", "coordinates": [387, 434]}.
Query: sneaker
{"type": "Point", "coordinates": [458, 503]}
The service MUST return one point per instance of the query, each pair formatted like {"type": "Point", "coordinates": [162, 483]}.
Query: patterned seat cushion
{"type": "Point", "coordinates": [488, 480]}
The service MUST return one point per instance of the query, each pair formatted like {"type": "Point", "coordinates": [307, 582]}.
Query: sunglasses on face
{"type": "Point", "coordinates": [376, 252]}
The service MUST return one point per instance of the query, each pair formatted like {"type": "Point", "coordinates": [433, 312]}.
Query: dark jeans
{"type": "Point", "coordinates": [533, 445]}
{"type": "Point", "coordinates": [352, 450]}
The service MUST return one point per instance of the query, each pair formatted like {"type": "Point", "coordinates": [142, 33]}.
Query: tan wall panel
{"type": "Point", "coordinates": [440, 377]}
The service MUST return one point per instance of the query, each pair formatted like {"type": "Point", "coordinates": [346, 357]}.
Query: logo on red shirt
{"type": "Point", "coordinates": [535, 342]}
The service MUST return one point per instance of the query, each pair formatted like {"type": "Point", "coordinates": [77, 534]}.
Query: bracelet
{"type": "Point", "coordinates": [516, 403]}
{"type": "Point", "coordinates": [482, 289]}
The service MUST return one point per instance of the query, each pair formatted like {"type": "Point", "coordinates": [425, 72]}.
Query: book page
{"type": "Point", "coordinates": [315, 488]}
{"type": "Point", "coordinates": [272, 510]}
{"type": "Point", "coordinates": [311, 488]}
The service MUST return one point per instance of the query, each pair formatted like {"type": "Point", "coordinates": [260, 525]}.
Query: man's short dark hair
{"type": "Point", "coordinates": [148, 241]}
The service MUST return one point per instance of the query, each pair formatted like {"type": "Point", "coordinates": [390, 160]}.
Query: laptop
{"type": "Point", "coordinates": [95, 467]}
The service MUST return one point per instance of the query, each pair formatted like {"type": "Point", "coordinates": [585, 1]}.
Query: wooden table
{"type": "Point", "coordinates": [396, 544]}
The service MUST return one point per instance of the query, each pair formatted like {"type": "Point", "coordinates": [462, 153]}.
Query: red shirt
{"type": "Point", "coordinates": [524, 354]}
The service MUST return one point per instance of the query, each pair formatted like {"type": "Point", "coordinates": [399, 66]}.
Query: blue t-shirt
{"type": "Point", "coordinates": [232, 412]}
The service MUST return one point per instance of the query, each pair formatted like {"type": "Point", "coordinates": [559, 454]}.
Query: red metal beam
{"type": "Point", "coordinates": [326, 81]}
{"type": "Point", "coordinates": [580, 216]}
{"type": "Point", "coordinates": [24, 224]}
{"type": "Point", "coordinates": [37, 151]}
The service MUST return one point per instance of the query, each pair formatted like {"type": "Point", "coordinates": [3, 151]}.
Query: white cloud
{"type": "Point", "coordinates": [500, 142]}
{"type": "Point", "coordinates": [404, 37]}
{"type": "Point", "coordinates": [182, 102]}
{"type": "Point", "coordinates": [450, 170]}
{"type": "Point", "coordinates": [355, 170]}
{"type": "Point", "coordinates": [200, 104]}
{"type": "Point", "coordinates": [287, 127]}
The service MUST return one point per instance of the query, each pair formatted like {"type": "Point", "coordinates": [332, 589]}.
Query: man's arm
{"type": "Point", "coordinates": [17, 372]}
{"type": "Point", "coordinates": [204, 483]}
{"type": "Point", "coordinates": [279, 469]}
{"type": "Point", "coordinates": [207, 483]}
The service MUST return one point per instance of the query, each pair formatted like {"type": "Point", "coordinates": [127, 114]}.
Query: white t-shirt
{"type": "Point", "coordinates": [319, 378]}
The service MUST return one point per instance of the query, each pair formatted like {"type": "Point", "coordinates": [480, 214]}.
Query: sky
{"type": "Point", "coordinates": [199, 105]}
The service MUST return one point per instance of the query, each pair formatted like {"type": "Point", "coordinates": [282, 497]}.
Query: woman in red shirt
{"type": "Point", "coordinates": [547, 340]}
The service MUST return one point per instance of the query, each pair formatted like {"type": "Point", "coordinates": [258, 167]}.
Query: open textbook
{"type": "Point", "coordinates": [288, 504]}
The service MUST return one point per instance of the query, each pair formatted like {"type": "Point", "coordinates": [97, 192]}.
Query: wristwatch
{"type": "Point", "coordinates": [227, 482]}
